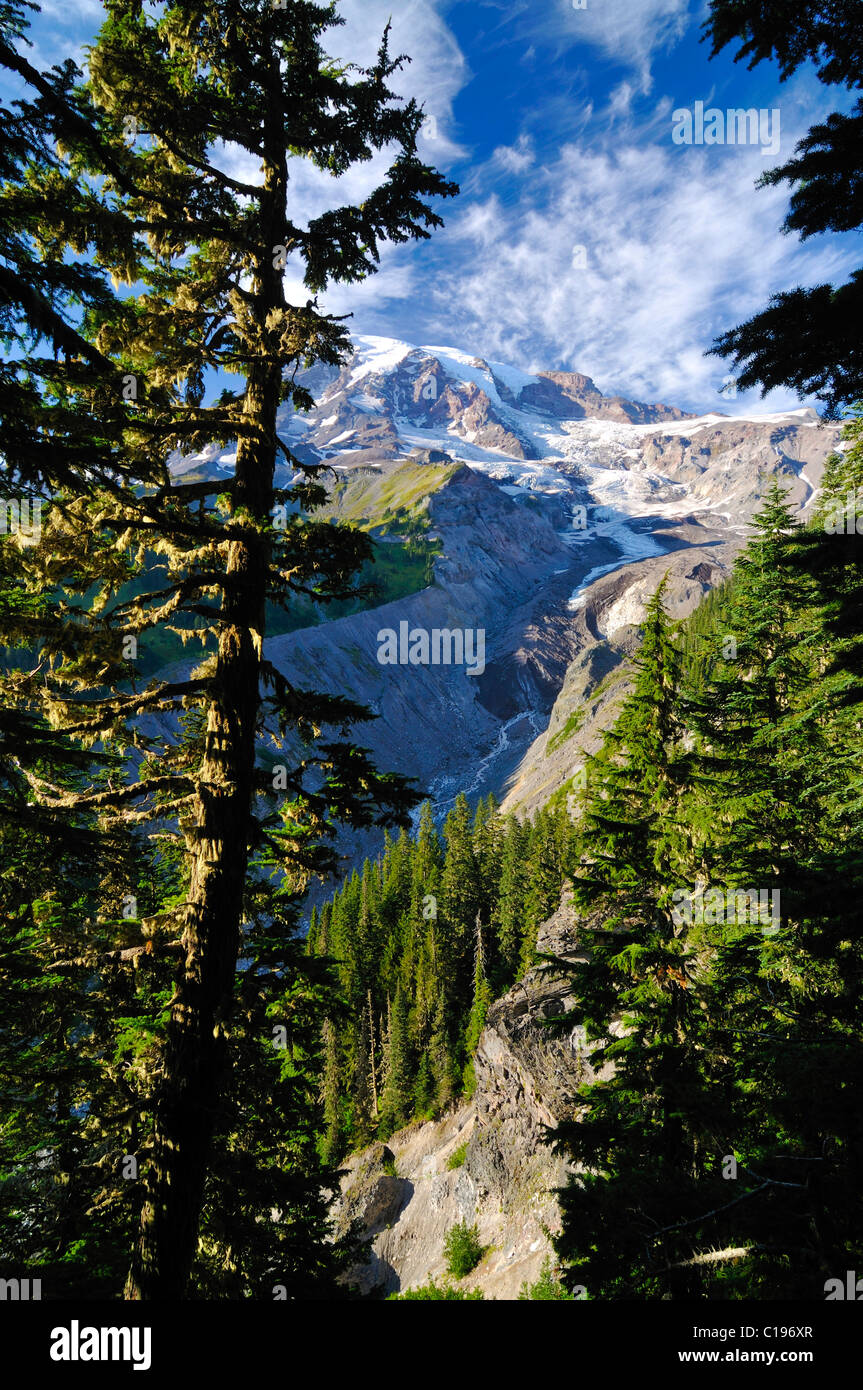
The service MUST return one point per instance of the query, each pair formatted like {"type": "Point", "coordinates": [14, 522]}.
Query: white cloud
{"type": "Point", "coordinates": [515, 159]}
{"type": "Point", "coordinates": [627, 32]}
{"type": "Point", "coordinates": [434, 77]}
{"type": "Point", "coordinates": [61, 30]}
{"type": "Point", "coordinates": [678, 246]}
{"type": "Point", "coordinates": [437, 71]}
{"type": "Point", "coordinates": [620, 100]}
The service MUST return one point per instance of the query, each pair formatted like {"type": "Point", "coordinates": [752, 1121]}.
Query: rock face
{"type": "Point", "coordinates": [598, 677]}
{"type": "Point", "coordinates": [571, 396]}
{"type": "Point", "coordinates": [526, 1080]}
{"type": "Point", "coordinates": [496, 574]}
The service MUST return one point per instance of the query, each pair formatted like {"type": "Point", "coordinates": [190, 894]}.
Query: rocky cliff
{"type": "Point", "coordinates": [406, 1195]}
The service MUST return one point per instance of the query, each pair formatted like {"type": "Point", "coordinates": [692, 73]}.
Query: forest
{"type": "Point", "coordinates": [188, 1049]}
{"type": "Point", "coordinates": [734, 1033]}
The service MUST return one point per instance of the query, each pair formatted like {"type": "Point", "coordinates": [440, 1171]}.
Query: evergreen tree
{"type": "Point", "coordinates": [830, 552]}
{"type": "Point", "coordinates": [545, 873]}
{"type": "Point", "coordinates": [407, 975]}
{"type": "Point", "coordinates": [487, 840]}
{"type": "Point", "coordinates": [459, 903]}
{"type": "Point", "coordinates": [362, 1116]}
{"type": "Point", "coordinates": [80, 997]}
{"type": "Point", "coordinates": [639, 1136]}
{"type": "Point", "coordinates": [265, 1225]}
{"type": "Point", "coordinates": [750, 763]}
{"type": "Point", "coordinates": [510, 907]}
{"type": "Point", "coordinates": [442, 1060]}
{"type": "Point", "coordinates": [397, 1105]}
{"type": "Point", "coordinates": [807, 338]}
{"type": "Point", "coordinates": [482, 999]}
{"type": "Point", "coordinates": [781, 1004]}
{"type": "Point", "coordinates": [720, 1144]}
{"type": "Point", "coordinates": [332, 1139]}
{"type": "Point", "coordinates": [131, 549]}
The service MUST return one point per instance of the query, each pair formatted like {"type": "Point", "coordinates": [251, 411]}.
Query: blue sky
{"type": "Point", "coordinates": [584, 237]}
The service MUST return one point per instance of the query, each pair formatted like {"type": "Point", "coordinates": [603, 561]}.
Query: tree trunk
{"type": "Point", "coordinates": [195, 1056]}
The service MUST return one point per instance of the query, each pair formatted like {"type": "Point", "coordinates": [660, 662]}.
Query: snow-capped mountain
{"type": "Point", "coordinates": [557, 509]}
{"type": "Point", "coordinates": [549, 433]}
{"type": "Point", "coordinates": [393, 395]}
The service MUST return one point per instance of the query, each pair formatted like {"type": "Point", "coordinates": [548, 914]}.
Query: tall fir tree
{"type": "Point", "coordinates": [397, 1104]}
{"type": "Point", "coordinates": [510, 906]}
{"type": "Point", "coordinates": [138, 184]}
{"type": "Point", "coordinates": [639, 1135]}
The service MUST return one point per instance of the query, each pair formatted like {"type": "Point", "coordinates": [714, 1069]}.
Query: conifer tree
{"type": "Point", "coordinates": [397, 1104]}
{"type": "Point", "coordinates": [545, 873]}
{"type": "Point", "coordinates": [73, 1083]}
{"type": "Point", "coordinates": [459, 902]}
{"type": "Point", "coordinates": [510, 907]}
{"type": "Point", "coordinates": [482, 999]}
{"type": "Point", "coordinates": [140, 184]}
{"type": "Point", "coordinates": [807, 338]}
{"type": "Point", "coordinates": [750, 764]}
{"type": "Point", "coordinates": [265, 1225]}
{"type": "Point", "coordinates": [781, 1006]}
{"type": "Point", "coordinates": [638, 1138]}
{"type": "Point", "coordinates": [407, 977]}
{"type": "Point", "coordinates": [721, 1148]}
{"type": "Point", "coordinates": [332, 1139]}
{"type": "Point", "coordinates": [442, 1057]}
{"type": "Point", "coordinates": [362, 1116]}
{"type": "Point", "coordinates": [487, 839]}
{"type": "Point", "coordinates": [830, 553]}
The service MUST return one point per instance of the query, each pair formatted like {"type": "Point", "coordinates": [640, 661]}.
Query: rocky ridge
{"type": "Point", "coordinates": [404, 1194]}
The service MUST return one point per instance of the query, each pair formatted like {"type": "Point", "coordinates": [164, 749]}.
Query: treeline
{"type": "Point", "coordinates": [423, 939]}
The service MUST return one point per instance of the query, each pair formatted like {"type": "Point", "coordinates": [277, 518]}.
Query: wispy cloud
{"type": "Point", "coordinates": [434, 78]}
{"type": "Point", "coordinates": [584, 237]}
{"type": "Point", "coordinates": [676, 247]}
{"type": "Point", "coordinates": [627, 32]}
{"type": "Point", "coordinates": [623, 259]}
{"type": "Point", "coordinates": [62, 30]}
{"type": "Point", "coordinates": [438, 69]}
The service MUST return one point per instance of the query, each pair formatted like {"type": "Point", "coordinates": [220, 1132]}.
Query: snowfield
{"type": "Point", "coordinates": [598, 463]}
